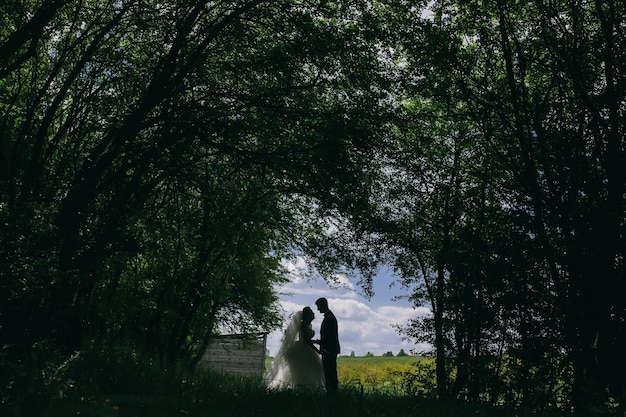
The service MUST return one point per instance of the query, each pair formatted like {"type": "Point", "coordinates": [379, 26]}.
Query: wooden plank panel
{"type": "Point", "coordinates": [239, 354]}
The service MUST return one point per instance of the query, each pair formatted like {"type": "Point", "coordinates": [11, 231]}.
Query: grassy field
{"type": "Point", "coordinates": [215, 395]}
{"type": "Point", "coordinates": [392, 374]}
{"type": "Point", "coordinates": [401, 375]}
{"type": "Point", "coordinates": [115, 384]}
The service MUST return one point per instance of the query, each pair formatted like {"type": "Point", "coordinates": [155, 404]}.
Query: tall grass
{"type": "Point", "coordinates": [399, 375]}
{"type": "Point", "coordinates": [121, 382]}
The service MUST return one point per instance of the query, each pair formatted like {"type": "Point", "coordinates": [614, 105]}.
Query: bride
{"type": "Point", "coordinates": [297, 365]}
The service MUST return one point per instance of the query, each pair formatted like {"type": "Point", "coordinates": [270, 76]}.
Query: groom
{"type": "Point", "coordinates": [329, 345]}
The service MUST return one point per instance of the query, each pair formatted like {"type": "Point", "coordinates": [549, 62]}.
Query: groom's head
{"type": "Point", "coordinates": [322, 305]}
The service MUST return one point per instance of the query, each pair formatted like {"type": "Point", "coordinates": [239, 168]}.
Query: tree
{"type": "Point", "coordinates": [162, 156]}
{"type": "Point", "coordinates": [544, 125]}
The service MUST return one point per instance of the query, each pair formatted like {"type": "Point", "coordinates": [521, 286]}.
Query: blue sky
{"type": "Point", "coordinates": [365, 325]}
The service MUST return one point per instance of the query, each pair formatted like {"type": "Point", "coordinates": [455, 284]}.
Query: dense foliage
{"type": "Point", "coordinates": [158, 161]}
{"type": "Point", "coordinates": [516, 226]}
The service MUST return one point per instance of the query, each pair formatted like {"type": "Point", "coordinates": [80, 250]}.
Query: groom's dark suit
{"type": "Point", "coordinates": [329, 345]}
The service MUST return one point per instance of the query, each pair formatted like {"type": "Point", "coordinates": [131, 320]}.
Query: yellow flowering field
{"type": "Point", "coordinates": [387, 372]}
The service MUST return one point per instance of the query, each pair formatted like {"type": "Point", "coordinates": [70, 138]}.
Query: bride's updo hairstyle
{"type": "Point", "coordinates": [307, 314]}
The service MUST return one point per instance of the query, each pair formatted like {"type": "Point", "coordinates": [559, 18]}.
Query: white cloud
{"type": "Point", "coordinates": [300, 285]}
{"type": "Point", "coordinates": [365, 325]}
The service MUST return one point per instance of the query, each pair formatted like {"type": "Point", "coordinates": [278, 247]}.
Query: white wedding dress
{"type": "Point", "coordinates": [297, 365]}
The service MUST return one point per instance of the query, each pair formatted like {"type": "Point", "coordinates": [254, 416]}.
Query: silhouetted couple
{"type": "Point", "coordinates": [298, 364]}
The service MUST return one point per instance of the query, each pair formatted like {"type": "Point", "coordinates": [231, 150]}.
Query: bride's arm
{"type": "Point", "coordinates": [307, 339]}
